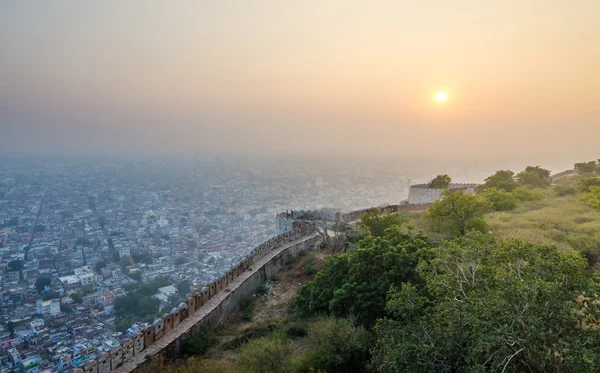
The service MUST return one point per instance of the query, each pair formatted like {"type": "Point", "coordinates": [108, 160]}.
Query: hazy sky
{"type": "Point", "coordinates": [301, 77]}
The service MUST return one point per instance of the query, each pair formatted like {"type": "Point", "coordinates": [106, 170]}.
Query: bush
{"type": "Point", "coordinates": [199, 342]}
{"type": "Point", "coordinates": [296, 330]}
{"type": "Point", "coordinates": [585, 183]}
{"type": "Point", "coordinates": [337, 346]}
{"type": "Point", "coordinates": [248, 335]}
{"type": "Point", "coordinates": [270, 354]}
{"type": "Point", "coordinates": [523, 194]}
{"type": "Point", "coordinates": [310, 270]}
{"type": "Point", "coordinates": [246, 307]}
{"type": "Point", "coordinates": [592, 256]}
{"type": "Point", "coordinates": [500, 200]}
{"type": "Point", "coordinates": [562, 190]}
{"type": "Point", "coordinates": [261, 290]}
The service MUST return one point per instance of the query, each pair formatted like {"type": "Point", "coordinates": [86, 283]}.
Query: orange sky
{"type": "Point", "coordinates": [326, 76]}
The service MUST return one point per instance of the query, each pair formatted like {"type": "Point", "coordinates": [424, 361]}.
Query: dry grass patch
{"type": "Point", "coordinates": [562, 221]}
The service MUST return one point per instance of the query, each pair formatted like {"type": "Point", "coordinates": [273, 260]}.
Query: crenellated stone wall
{"type": "Point", "coordinates": [209, 305]}
{"type": "Point", "coordinates": [206, 306]}
{"type": "Point", "coordinates": [422, 194]}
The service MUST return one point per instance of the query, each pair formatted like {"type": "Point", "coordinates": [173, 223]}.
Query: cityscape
{"type": "Point", "coordinates": [94, 251]}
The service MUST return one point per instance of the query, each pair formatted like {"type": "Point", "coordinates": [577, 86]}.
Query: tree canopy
{"type": "Point", "coordinates": [586, 167]}
{"type": "Point", "coordinates": [502, 180]}
{"type": "Point", "coordinates": [41, 282]}
{"type": "Point", "coordinates": [592, 197]}
{"type": "Point", "coordinates": [500, 200]}
{"type": "Point", "coordinates": [356, 283]}
{"type": "Point", "coordinates": [375, 222]}
{"type": "Point", "coordinates": [440, 182]}
{"type": "Point", "coordinates": [534, 176]}
{"type": "Point", "coordinates": [16, 265]}
{"type": "Point", "coordinates": [490, 305]}
{"type": "Point", "coordinates": [458, 213]}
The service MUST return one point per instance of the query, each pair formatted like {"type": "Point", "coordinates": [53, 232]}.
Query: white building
{"type": "Point", "coordinates": [86, 275]}
{"type": "Point", "coordinates": [124, 251]}
{"type": "Point", "coordinates": [71, 282]}
{"type": "Point", "coordinates": [164, 294]}
{"type": "Point", "coordinates": [87, 279]}
{"type": "Point", "coordinates": [163, 222]}
{"type": "Point", "coordinates": [48, 307]}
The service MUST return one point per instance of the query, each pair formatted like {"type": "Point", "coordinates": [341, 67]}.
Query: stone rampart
{"type": "Point", "coordinates": [206, 306]}
{"type": "Point", "coordinates": [421, 193]}
{"type": "Point", "coordinates": [356, 215]}
{"type": "Point", "coordinates": [209, 305]}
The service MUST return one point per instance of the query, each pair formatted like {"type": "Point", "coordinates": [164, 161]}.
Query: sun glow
{"type": "Point", "coordinates": [441, 96]}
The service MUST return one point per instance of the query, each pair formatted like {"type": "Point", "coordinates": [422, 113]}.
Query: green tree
{"type": "Point", "coordinates": [376, 222]}
{"type": "Point", "coordinates": [585, 183]}
{"type": "Point", "coordinates": [502, 180]}
{"type": "Point", "coordinates": [50, 295]}
{"type": "Point", "coordinates": [524, 194]}
{"type": "Point", "coordinates": [356, 283]}
{"type": "Point", "coordinates": [41, 282]}
{"type": "Point", "coordinates": [544, 173]}
{"type": "Point", "coordinates": [592, 198]}
{"type": "Point", "coordinates": [500, 200]}
{"type": "Point", "coordinates": [199, 342]}
{"type": "Point", "coordinates": [16, 265]}
{"type": "Point", "coordinates": [532, 178]}
{"type": "Point", "coordinates": [269, 354]}
{"type": "Point", "coordinates": [458, 213]}
{"type": "Point", "coordinates": [337, 346]}
{"type": "Point", "coordinates": [493, 305]}
{"type": "Point", "coordinates": [126, 261]}
{"type": "Point", "coordinates": [77, 298]}
{"type": "Point", "coordinates": [563, 190]}
{"type": "Point", "coordinates": [183, 287]}
{"type": "Point", "coordinates": [180, 260]}
{"type": "Point", "coordinates": [585, 167]}
{"type": "Point", "coordinates": [136, 275]}
{"type": "Point", "coordinates": [99, 266]}
{"type": "Point", "coordinates": [440, 182]}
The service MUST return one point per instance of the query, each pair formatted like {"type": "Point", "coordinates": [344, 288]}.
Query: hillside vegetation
{"type": "Point", "coordinates": [508, 284]}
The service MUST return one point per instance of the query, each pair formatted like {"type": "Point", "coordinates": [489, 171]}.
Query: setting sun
{"type": "Point", "coordinates": [441, 96]}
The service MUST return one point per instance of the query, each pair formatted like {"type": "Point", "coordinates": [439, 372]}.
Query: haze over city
{"type": "Point", "coordinates": [333, 78]}
{"type": "Point", "coordinates": [277, 186]}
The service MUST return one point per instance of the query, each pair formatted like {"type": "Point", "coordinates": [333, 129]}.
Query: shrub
{"type": "Point", "coordinates": [562, 190]}
{"type": "Point", "coordinates": [338, 346]}
{"type": "Point", "coordinates": [296, 330]}
{"type": "Point", "coordinates": [199, 342]}
{"type": "Point", "coordinates": [310, 270]}
{"type": "Point", "coordinates": [270, 354]}
{"type": "Point", "coordinates": [592, 198]}
{"type": "Point", "coordinates": [592, 256]}
{"type": "Point", "coordinates": [500, 200]}
{"type": "Point", "coordinates": [248, 335]}
{"type": "Point", "coordinates": [585, 183]}
{"type": "Point", "coordinates": [523, 194]}
{"type": "Point", "coordinates": [261, 290]}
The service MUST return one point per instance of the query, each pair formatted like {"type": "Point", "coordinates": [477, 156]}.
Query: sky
{"type": "Point", "coordinates": [311, 77]}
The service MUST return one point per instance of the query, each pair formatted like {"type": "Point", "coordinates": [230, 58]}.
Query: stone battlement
{"type": "Point", "coordinates": [209, 305]}
{"type": "Point", "coordinates": [421, 193]}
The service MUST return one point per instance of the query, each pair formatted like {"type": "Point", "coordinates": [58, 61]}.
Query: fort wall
{"type": "Point", "coordinates": [422, 194]}
{"type": "Point", "coordinates": [208, 306]}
